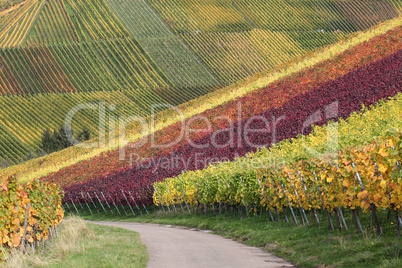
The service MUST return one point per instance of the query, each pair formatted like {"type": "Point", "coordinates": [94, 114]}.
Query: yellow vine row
{"type": "Point", "coordinates": [355, 178]}
{"type": "Point", "coordinates": [40, 202]}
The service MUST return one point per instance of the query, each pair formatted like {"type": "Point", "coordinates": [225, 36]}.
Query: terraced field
{"type": "Point", "coordinates": [17, 21]}
{"type": "Point", "coordinates": [139, 18]}
{"type": "Point", "coordinates": [108, 65]}
{"type": "Point", "coordinates": [119, 66]}
{"type": "Point", "coordinates": [92, 19]}
{"type": "Point", "coordinates": [275, 15]}
{"type": "Point", "coordinates": [180, 64]}
{"type": "Point", "coordinates": [17, 36]}
{"type": "Point", "coordinates": [234, 56]}
{"type": "Point", "coordinates": [226, 34]}
{"type": "Point", "coordinates": [53, 25]}
{"type": "Point", "coordinates": [32, 71]}
{"type": "Point", "coordinates": [186, 16]}
{"type": "Point", "coordinates": [21, 129]}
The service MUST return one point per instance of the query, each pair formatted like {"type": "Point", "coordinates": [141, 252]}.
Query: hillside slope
{"type": "Point", "coordinates": [56, 161]}
{"type": "Point", "coordinates": [152, 52]}
{"type": "Point", "coordinates": [362, 67]}
{"type": "Point", "coordinates": [339, 98]}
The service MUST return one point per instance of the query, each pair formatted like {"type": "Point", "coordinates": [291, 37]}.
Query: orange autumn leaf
{"type": "Point", "coordinates": [16, 240]}
{"type": "Point", "coordinates": [362, 194]}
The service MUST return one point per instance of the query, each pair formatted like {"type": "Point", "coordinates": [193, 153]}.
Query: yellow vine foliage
{"type": "Point", "coordinates": [44, 212]}
{"type": "Point", "coordinates": [356, 172]}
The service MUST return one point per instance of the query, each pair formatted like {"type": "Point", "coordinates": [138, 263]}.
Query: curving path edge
{"type": "Point", "coordinates": [171, 246]}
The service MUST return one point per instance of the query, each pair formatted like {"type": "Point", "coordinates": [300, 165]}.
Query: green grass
{"type": "Point", "coordinates": [81, 244]}
{"type": "Point", "coordinates": [109, 247]}
{"type": "Point", "coordinates": [305, 246]}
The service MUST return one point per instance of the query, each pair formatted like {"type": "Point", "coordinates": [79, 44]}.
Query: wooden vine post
{"type": "Point", "coordinates": [25, 226]}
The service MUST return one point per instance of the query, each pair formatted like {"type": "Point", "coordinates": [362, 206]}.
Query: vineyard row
{"type": "Point", "coordinates": [368, 178]}
{"type": "Point", "coordinates": [29, 213]}
{"type": "Point", "coordinates": [338, 100]}
{"type": "Point", "coordinates": [275, 95]}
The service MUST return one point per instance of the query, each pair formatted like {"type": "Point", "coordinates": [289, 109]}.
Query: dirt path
{"type": "Point", "coordinates": [176, 247]}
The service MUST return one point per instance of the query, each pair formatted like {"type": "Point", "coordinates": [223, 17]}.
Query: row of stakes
{"type": "Point", "coordinates": [76, 205]}
{"type": "Point", "coordinates": [338, 212]}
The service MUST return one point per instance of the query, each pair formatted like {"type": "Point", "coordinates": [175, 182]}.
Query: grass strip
{"type": "Point", "coordinates": [82, 244]}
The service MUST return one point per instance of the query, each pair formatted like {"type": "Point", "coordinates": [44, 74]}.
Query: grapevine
{"type": "Point", "coordinates": [38, 205]}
